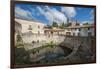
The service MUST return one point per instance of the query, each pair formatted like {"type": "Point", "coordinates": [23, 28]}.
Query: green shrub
{"type": "Point", "coordinates": [19, 38]}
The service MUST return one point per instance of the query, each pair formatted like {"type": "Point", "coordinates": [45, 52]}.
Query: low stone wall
{"type": "Point", "coordinates": [42, 38]}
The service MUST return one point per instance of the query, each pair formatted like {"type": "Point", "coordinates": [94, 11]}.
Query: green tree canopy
{"type": "Point", "coordinates": [54, 24]}
{"type": "Point", "coordinates": [49, 26]}
{"type": "Point", "coordinates": [67, 24]}
{"type": "Point", "coordinates": [86, 23]}
{"type": "Point", "coordinates": [62, 26]}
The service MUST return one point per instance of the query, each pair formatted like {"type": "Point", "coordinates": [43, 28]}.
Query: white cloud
{"type": "Point", "coordinates": [21, 12]}
{"type": "Point", "coordinates": [92, 15]}
{"type": "Point", "coordinates": [69, 11]}
{"type": "Point", "coordinates": [58, 16]}
{"type": "Point", "coordinates": [53, 15]}
{"type": "Point", "coordinates": [47, 15]}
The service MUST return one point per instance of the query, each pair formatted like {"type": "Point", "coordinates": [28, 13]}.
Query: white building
{"type": "Point", "coordinates": [25, 26]}
{"type": "Point", "coordinates": [80, 30]}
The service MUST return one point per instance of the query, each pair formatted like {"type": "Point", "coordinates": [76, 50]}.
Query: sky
{"type": "Point", "coordinates": [49, 14]}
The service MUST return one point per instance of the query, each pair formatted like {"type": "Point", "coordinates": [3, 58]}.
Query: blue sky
{"type": "Point", "coordinates": [49, 14]}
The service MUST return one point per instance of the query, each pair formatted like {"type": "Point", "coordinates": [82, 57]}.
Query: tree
{"type": "Point", "coordinates": [86, 23]}
{"type": "Point", "coordinates": [49, 26]}
{"type": "Point", "coordinates": [55, 24]}
{"type": "Point", "coordinates": [67, 24]}
{"type": "Point", "coordinates": [19, 41]}
{"type": "Point", "coordinates": [19, 38]}
{"type": "Point", "coordinates": [62, 26]}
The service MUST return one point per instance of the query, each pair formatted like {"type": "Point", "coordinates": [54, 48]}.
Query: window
{"type": "Point", "coordinates": [75, 29]}
{"type": "Point", "coordinates": [88, 28]}
{"type": "Point", "coordinates": [89, 34]}
{"type": "Point", "coordinates": [78, 34]}
{"type": "Point", "coordinates": [73, 34]}
{"type": "Point", "coordinates": [38, 26]}
{"type": "Point", "coordinates": [38, 32]}
{"type": "Point", "coordinates": [30, 27]}
{"type": "Point", "coordinates": [79, 29]}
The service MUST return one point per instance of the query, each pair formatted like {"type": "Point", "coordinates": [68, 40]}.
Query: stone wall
{"type": "Point", "coordinates": [28, 38]}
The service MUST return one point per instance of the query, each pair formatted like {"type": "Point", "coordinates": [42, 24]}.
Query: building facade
{"type": "Point", "coordinates": [80, 30]}
{"type": "Point", "coordinates": [25, 26]}
{"type": "Point", "coordinates": [28, 30]}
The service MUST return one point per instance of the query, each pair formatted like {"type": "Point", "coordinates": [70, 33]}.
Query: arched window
{"type": "Point", "coordinates": [38, 26]}
{"type": "Point", "coordinates": [30, 27]}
